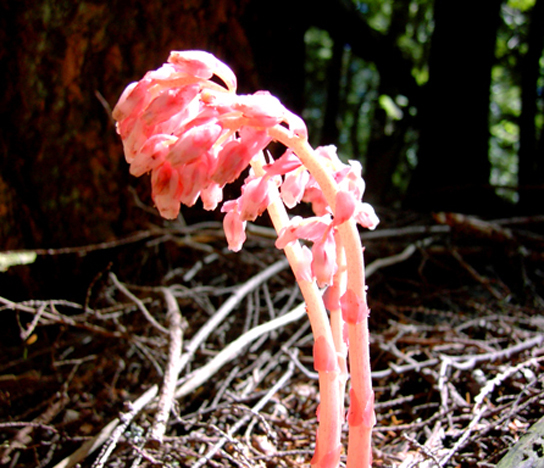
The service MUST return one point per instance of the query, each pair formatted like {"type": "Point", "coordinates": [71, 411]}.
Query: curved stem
{"type": "Point", "coordinates": [361, 417]}
{"type": "Point", "coordinates": [331, 407]}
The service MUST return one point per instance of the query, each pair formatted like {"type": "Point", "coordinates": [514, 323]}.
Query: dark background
{"type": "Point", "coordinates": [442, 104]}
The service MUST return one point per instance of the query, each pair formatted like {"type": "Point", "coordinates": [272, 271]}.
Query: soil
{"type": "Point", "coordinates": [91, 340]}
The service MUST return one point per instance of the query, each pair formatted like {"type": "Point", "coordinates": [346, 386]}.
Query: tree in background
{"type": "Point", "coordinates": [63, 64]}
{"type": "Point", "coordinates": [432, 95]}
{"type": "Point", "coordinates": [531, 128]}
{"type": "Point", "coordinates": [453, 168]}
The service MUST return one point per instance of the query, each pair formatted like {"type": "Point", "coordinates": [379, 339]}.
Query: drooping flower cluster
{"type": "Point", "coordinates": [186, 125]}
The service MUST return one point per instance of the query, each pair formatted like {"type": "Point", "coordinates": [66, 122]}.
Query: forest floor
{"type": "Point", "coordinates": [457, 346]}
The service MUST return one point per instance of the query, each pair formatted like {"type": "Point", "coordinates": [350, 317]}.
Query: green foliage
{"type": "Point", "coordinates": [505, 110]}
{"type": "Point", "coordinates": [369, 113]}
{"type": "Point", "coordinates": [390, 107]}
{"type": "Point", "coordinates": [360, 94]}
{"type": "Point", "coordinates": [521, 5]}
{"type": "Point", "coordinates": [318, 53]}
{"type": "Point", "coordinates": [378, 12]}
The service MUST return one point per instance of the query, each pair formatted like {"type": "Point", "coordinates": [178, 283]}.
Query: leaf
{"type": "Point", "coordinates": [16, 258]}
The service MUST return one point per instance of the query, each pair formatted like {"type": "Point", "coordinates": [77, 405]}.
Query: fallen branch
{"type": "Point", "coordinates": [227, 307]}
{"type": "Point", "coordinates": [110, 433]}
{"type": "Point", "coordinates": [480, 407]}
{"type": "Point", "coordinates": [141, 306]}
{"type": "Point", "coordinates": [171, 372]}
{"type": "Point", "coordinates": [228, 353]}
{"type": "Point", "coordinates": [114, 430]}
{"type": "Point", "coordinates": [260, 405]}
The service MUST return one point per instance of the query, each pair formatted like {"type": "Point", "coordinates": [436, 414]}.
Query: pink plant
{"type": "Point", "coordinates": [195, 136]}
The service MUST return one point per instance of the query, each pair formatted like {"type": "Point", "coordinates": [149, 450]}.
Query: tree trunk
{"type": "Point", "coordinates": [63, 65]}
{"type": "Point", "coordinates": [275, 31]}
{"type": "Point", "coordinates": [453, 168]}
{"type": "Point", "coordinates": [330, 131]}
{"type": "Point", "coordinates": [531, 164]}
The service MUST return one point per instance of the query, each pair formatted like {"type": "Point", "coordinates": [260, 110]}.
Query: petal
{"type": "Point", "coordinates": [294, 186]}
{"type": "Point", "coordinates": [312, 229]}
{"type": "Point", "coordinates": [303, 268]}
{"type": "Point", "coordinates": [169, 103]}
{"type": "Point", "coordinates": [211, 196]}
{"type": "Point", "coordinates": [234, 229]}
{"type": "Point", "coordinates": [203, 65]}
{"type": "Point", "coordinates": [132, 99]}
{"type": "Point", "coordinates": [287, 162]}
{"type": "Point", "coordinates": [151, 154]}
{"type": "Point", "coordinates": [366, 216]}
{"type": "Point", "coordinates": [255, 198]}
{"type": "Point", "coordinates": [261, 109]}
{"type": "Point", "coordinates": [166, 189]}
{"type": "Point", "coordinates": [288, 234]}
{"type": "Point", "coordinates": [329, 152]}
{"type": "Point", "coordinates": [193, 143]}
{"type": "Point", "coordinates": [233, 158]}
{"type": "Point", "coordinates": [195, 179]}
{"type": "Point", "coordinates": [254, 139]}
{"type": "Point", "coordinates": [324, 264]}
{"type": "Point", "coordinates": [314, 195]}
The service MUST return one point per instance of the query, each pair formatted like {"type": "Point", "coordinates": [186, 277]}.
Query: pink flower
{"type": "Point", "coordinates": [261, 109]}
{"type": "Point", "coordinates": [303, 268]}
{"type": "Point", "coordinates": [186, 125]}
{"type": "Point", "coordinates": [232, 159]}
{"type": "Point", "coordinates": [202, 65]}
{"type": "Point", "coordinates": [294, 186]}
{"type": "Point", "coordinates": [168, 104]}
{"type": "Point", "coordinates": [132, 100]}
{"type": "Point", "coordinates": [234, 227]}
{"type": "Point", "coordinates": [311, 229]}
{"type": "Point", "coordinates": [324, 263]}
{"type": "Point", "coordinates": [166, 190]}
{"type": "Point", "coordinates": [329, 152]}
{"type": "Point", "coordinates": [314, 195]}
{"type": "Point", "coordinates": [366, 216]}
{"type": "Point", "coordinates": [255, 197]}
{"type": "Point", "coordinates": [287, 162]}
{"type": "Point", "coordinates": [235, 155]}
{"type": "Point", "coordinates": [151, 154]}
{"type": "Point", "coordinates": [320, 232]}
{"type": "Point", "coordinates": [211, 196]}
{"type": "Point", "coordinates": [195, 179]}
{"type": "Point", "coordinates": [193, 143]}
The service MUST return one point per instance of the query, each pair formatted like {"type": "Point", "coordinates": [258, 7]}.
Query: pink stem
{"type": "Point", "coordinates": [328, 446]}
{"type": "Point", "coordinates": [337, 289]}
{"type": "Point", "coordinates": [361, 413]}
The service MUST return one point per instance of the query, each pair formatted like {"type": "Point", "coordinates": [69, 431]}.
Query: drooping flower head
{"type": "Point", "coordinates": [185, 124]}
{"type": "Point", "coordinates": [176, 120]}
